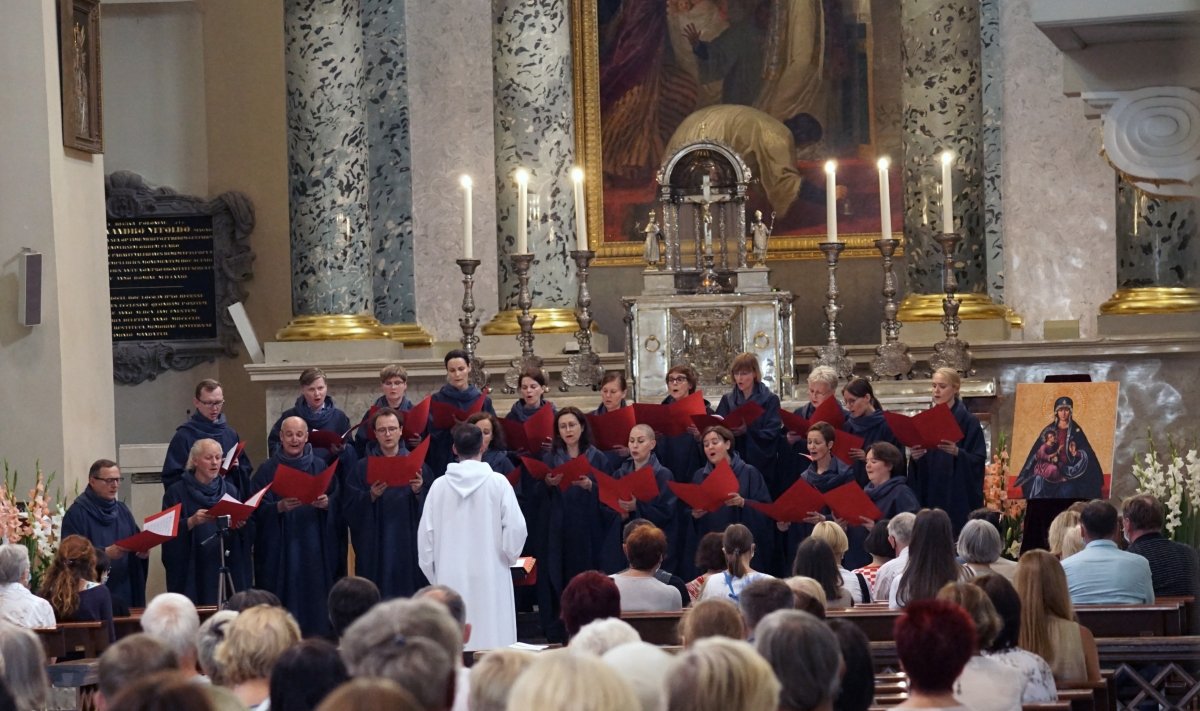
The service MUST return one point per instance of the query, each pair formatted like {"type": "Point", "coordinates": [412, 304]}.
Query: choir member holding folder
{"type": "Point", "coordinates": [825, 472]}
{"type": "Point", "coordinates": [192, 558]}
{"type": "Point", "coordinates": [865, 420]}
{"type": "Point", "coordinates": [454, 402]}
{"type": "Point", "coordinates": [620, 505]}
{"type": "Point", "coordinates": [382, 503]}
{"type": "Point", "coordinates": [296, 547]}
{"type": "Point", "coordinates": [613, 389]}
{"type": "Point", "coordinates": [822, 385]}
{"type": "Point", "coordinates": [681, 453]}
{"type": "Point", "coordinates": [393, 383]}
{"type": "Point", "coordinates": [528, 425]}
{"type": "Point", "coordinates": [320, 413]}
{"type": "Point", "coordinates": [950, 476]}
{"type": "Point", "coordinates": [98, 516]}
{"type": "Point", "coordinates": [207, 421]}
{"type": "Point", "coordinates": [757, 434]}
{"type": "Point", "coordinates": [888, 489]}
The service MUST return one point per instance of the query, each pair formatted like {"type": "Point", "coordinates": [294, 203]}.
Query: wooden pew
{"type": "Point", "coordinates": [661, 628]}
{"type": "Point", "coordinates": [68, 638]}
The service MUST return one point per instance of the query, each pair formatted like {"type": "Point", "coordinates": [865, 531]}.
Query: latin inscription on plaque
{"type": "Point", "coordinates": [161, 278]}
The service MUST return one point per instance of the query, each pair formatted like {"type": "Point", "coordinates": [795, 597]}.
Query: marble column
{"type": "Point", "coordinates": [534, 130]}
{"type": "Point", "coordinates": [327, 173]}
{"type": "Point", "coordinates": [942, 90]}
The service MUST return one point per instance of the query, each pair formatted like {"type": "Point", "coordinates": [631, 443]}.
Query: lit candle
{"type": "Point", "coordinates": [831, 200]}
{"type": "Point", "coordinates": [465, 182]}
{"type": "Point", "coordinates": [947, 193]}
{"type": "Point", "coordinates": [522, 211]}
{"type": "Point", "coordinates": [885, 201]}
{"type": "Point", "coordinates": [581, 235]}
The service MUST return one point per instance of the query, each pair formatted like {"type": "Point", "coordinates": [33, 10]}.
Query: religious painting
{"type": "Point", "coordinates": [788, 84]}
{"type": "Point", "coordinates": [79, 40]}
{"type": "Point", "coordinates": [1063, 435]}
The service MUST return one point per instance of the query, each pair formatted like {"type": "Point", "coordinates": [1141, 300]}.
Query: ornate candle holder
{"type": "Point", "coordinates": [512, 376]}
{"type": "Point", "coordinates": [468, 322]}
{"type": "Point", "coordinates": [583, 368]}
{"type": "Point", "coordinates": [950, 352]}
{"type": "Point", "coordinates": [892, 359]}
{"type": "Point", "coordinates": [832, 353]}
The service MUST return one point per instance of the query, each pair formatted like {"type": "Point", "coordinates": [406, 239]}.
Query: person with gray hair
{"type": "Point", "coordinates": [806, 658]}
{"type": "Point", "coordinates": [457, 607]}
{"type": "Point", "coordinates": [645, 668]}
{"type": "Point", "coordinates": [23, 663]}
{"type": "Point", "coordinates": [720, 674]}
{"type": "Point", "coordinates": [128, 660]}
{"type": "Point", "coordinates": [979, 546]}
{"type": "Point", "coordinates": [19, 606]}
{"type": "Point", "coordinates": [599, 636]}
{"type": "Point", "coordinates": [899, 535]}
{"type": "Point", "coordinates": [415, 643]}
{"type": "Point", "coordinates": [172, 619]}
{"type": "Point", "coordinates": [493, 676]}
{"type": "Point", "coordinates": [211, 634]}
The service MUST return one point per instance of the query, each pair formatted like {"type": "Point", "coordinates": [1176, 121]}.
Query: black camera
{"type": "Point", "coordinates": [223, 523]}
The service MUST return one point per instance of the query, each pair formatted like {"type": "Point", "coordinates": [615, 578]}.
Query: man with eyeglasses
{"type": "Point", "coordinates": [98, 516]}
{"type": "Point", "coordinates": [207, 422]}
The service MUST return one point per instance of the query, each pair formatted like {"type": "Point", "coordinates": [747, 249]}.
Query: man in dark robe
{"type": "Point", "coordinates": [99, 517]}
{"type": "Point", "coordinates": [207, 422]}
{"type": "Point", "coordinates": [393, 383]}
{"type": "Point", "coordinates": [296, 549]}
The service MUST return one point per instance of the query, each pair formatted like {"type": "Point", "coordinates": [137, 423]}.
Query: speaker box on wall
{"type": "Point", "coordinates": [29, 294]}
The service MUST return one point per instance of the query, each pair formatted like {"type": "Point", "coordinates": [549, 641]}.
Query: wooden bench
{"type": "Point", "coordinates": [90, 638]}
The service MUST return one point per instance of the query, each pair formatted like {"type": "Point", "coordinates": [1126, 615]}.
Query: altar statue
{"type": "Point", "coordinates": [654, 235]}
{"type": "Point", "coordinates": [760, 236]}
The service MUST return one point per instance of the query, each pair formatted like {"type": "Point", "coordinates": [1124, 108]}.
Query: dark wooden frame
{"type": "Point", "coordinates": [81, 89]}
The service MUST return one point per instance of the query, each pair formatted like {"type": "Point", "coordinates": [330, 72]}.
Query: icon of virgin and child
{"type": "Point", "coordinates": [1061, 463]}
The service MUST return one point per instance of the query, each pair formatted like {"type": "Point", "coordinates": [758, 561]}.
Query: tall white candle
{"type": "Point", "coordinates": [947, 193]}
{"type": "Point", "coordinates": [522, 211]}
{"type": "Point", "coordinates": [885, 201]}
{"type": "Point", "coordinates": [465, 182]}
{"type": "Point", "coordinates": [581, 235]}
{"type": "Point", "coordinates": [831, 200]}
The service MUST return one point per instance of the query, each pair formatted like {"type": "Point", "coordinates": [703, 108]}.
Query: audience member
{"type": "Point", "coordinates": [761, 598]}
{"type": "Point", "coordinates": [1065, 525]}
{"type": "Point", "coordinates": [880, 549]}
{"type": "Point", "coordinates": [984, 684]}
{"type": "Point", "coordinates": [591, 595]}
{"type": "Point", "coordinates": [164, 691]}
{"type": "Point", "coordinates": [457, 607]}
{"type": "Point", "coordinates": [349, 599]}
{"type": "Point", "coordinates": [1174, 568]}
{"type": "Point", "coordinates": [598, 637]}
{"type": "Point", "coordinates": [934, 640]}
{"type": "Point", "coordinates": [1001, 565]}
{"type": "Point", "coordinates": [836, 539]}
{"type": "Point", "coordinates": [710, 559]}
{"type": "Point", "coordinates": [250, 597]}
{"type": "Point", "coordinates": [581, 682]}
{"type": "Point", "coordinates": [663, 576]}
{"type": "Point", "coordinates": [805, 656]}
{"type": "Point", "coordinates": [1037, 677]}
{"type": "Point", "coordinates": [899, 531]}
{"type": "Point", "coordinates": [69, 587]}
{"type": "Point", "coordinates": [172, 619]}
{"type": "Point", "coordinates": [98, 516]}
{"type": "Point", "coordinates": [931, 563]}
{"type": "Point", "coordinates": [1102, 573]}
{"type": "Point", "coordinates": [19, 606]}
{"type": "Point", "coordinates": [1048, 628]}
{"type": "Point", "coordinates": [493, 676]}
{"type": "Point", "coordinates": [814, 559]}
{"type": "Point", "coordinates": [641, 591]}
{"type": "Point", "coordinates": [370, 695]}
{"type": "Point", "coordinates": [645, 668]}
{"type": "Point", "coordinates": [719, 674]}
{"type": "Point", "coordinates": [211, 634]}
{"type": "Point", "coordinates": [103, 573]}
{"type": "Point", "coordinates": [738, 545]}
{"type": "Point", "coordinates": [254, 640]}
{"type": "Point", "coordinates": [305, 674]}
{"type": "Point", "coordinates": [979, 547]}
{"type": "Point", "coordinates": [714, 617]}
{"type": "Point", "coordinates": [127, 661]}
{"type": "Point", "coordinates": [810, 595]}
{"type": "Point", "coordinates": [856, 691]}
{"type": "Point", "coordinates": [23, 667]}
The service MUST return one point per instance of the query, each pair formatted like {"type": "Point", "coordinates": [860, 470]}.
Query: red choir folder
{"type": "Point", "coordinates": [447, 416]}
{"type": "Point", "coordinates": [529, 435]}
{"type": "Point", "coordinates": [398, 470]}
{"type": "Point", "coordinates": [925, 429]}
{"type": "Point", "coordinates": [671, 420]}
{"type": "Point", "coordinates": [236, 510]}
{"type": "Point", "coordinates": [232, 456]}
{"type": "Point", "coordinates": [292, 483]}
{"type": "Point", "coordinates": [611, 429]}
{"type": "Point", "coordinates": [514, 476]}
{"type": "Point", "coordinates": [828, 411]}
{"type": "Point", "coordinates": [741, 417]}
{"type": "Point", "coordinates": [159, 528]}
{"type": "Point", "coordinates": [793, 505]}
{"type": "Point", "coordinates": [323, 439]}
{"type": "Point", "coordinates": [850, 503]}
{"type": "Point", "coordinates": [794, 423]}
{"type": "Point", "coordinates": [843, 442]}
{"type": "Point", "coordinates": [577, 468]}
{"type": "Point", "coordinates": [416, 420]}
{"type": "Point", "coordinates": [710, 494]}
{"type": "Point", "coordinates": [640, 485]}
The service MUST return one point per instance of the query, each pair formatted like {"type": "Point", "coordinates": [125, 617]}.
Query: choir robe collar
{"type": "Point", "coordinates": [520, 412]}
{"type": "Point", "coordinates": [103, 511]}
{"type": "Point", "coordinates": [405, 404]}
{"type": "Point", "coordinates": [374, 450]}
{"type": "Point", "coordinates": [600, 410]}
{"type": "Point", "coordinates": [206, 495]}
{"type": "Point", "coordinates": [200, 427]}
{"type": "Point", "coordinates": [461, 399]}
{"type": "Point", "coordinates": [759, 394]}
{"type": "Point", "coordinates": [866, 424]}
{"type": "Point", "coordinates": [305, 462]}
{"type": "Point", "coordinates": [837, 474]}
{"type": "Point", "coordinates": [323, 419]}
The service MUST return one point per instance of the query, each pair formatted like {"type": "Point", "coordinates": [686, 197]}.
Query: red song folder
{"type": "Point", "coordinates": [399, 470]}
{"type": "Point", "coordinates": [529, 435]}
{"type": "Point", "coordinates": [236, 510]}
{"type": "Point", "coordinates": [447, 416]}
{"type": "Point", "coordinates": [416, 420]}
{"type": "Point", "coordinates": [640, 485]}
{"type": "Point", "coordinates": [572, 471]}
{"type": "Point", "coordinates": [925, 429]}
{"type": "Point", "coordinates": [710, 494]}
{"type": "Point", "coordinates": [232, 456]}
{"type": "Point", "coordinates": [793, 505]}
{"type": "Point", "coordinates": [159, 528]}
{"type": "Point", "coordinates": [743, 416]}
{"type": "Point", "coordinates": [611, 429]}
{"type": "Point", "coordinates": [292, 483]}
{"type": "Point", "coordinates": [323, 439]}
{"type": "Point", "coordinates": [671, 420]}
{"type": "Point", "coordinates": [843, 442]}
{"type": "Point", "coordinates": [850, 503]}
{"type": "Point", "coordinates": [828, 411]}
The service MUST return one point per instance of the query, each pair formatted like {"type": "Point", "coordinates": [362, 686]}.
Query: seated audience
{"type": "Point", "coordinates": [164, 691]}
{"type": "Point", "coordinates": [1102, 573]}
{"type": "Point", "coordinates": [104, 566]}
{"type": "Point", "coordinates": [934, 641]}
{"type": "Point", "coordinates": [254, 640]}
{"type": "Point", "coordinates": [23, 667]}
{"type": "Point", "coordinates": [305, 674]}
{"type": "Point", "coordinates": [250, 597]}
{"type": "Point", "coordinates": [738, 545]}
{"type": "Point", "coordinates": [663, 576]}
{"type": "Point", "coordinates": [814, 559]}
{"type": "Point", "coordinates": [493, 676]}
{"type": "Point", "coordinates": [1001, 565]}
{"type": "Point", "coordinates": [1037, 685]}
{"type": "Point", "coordinates": [877, 546]}
{"type": "Point", "coordinates": [349, 599]}
{"type": "Point", "coordinates": [805, 656]}
{"type": "Point", "coordinates": [931, 561]}
{"type": "Point", "coordinates": [899, 530]}
{"type": "Point", "coordinates": [836, 539]}
{"type": "Point", "coordinates": [1174, 568]}
{"type": "Point", "coordinates": [856, 691]}
{"type": "Point", "coordinates": [69, 587]}
{"type": "Point", "coordinates": [645, 668]}
{"type": "Point", "coordinates": [598, 637]}
{"type": "Point", "coordinates": [1064, 537]}
{"type": "Point", "coordinates": [454, 603]}
{"type": "Point", "coordinates": [641, 591]}
{"type": "Point", "coordinates": [561, 680]}
{"type": "Point", "coordinates": [1048, 628]}
{"type": "Point", "coordinates": [710, 558]}
{"type": "Point", "coordinates": [211, 634]}
{"type": "Point", "coordinates": [711, 618]}
{"type": "Point", "coordinates": [591, 595]}
{"type": "Point", "coordinates": [370, 695]}
{"type": "Point", "coordinates": [127, 661]}
{"type": "Point", "coordinates": [719, 674]}
{"type": "Point", "coordinates": [172, 619]}
{"type": "Point", "coordinates": [761, 598]}
{"type": "Point", "coordinates": [984, 684]}
{"type": "Point", "coordinates": [19, 606]}
{"type": "Point", "coordinates": [810, 595]}
{"type": "Point", "coordinates": [979, 547]}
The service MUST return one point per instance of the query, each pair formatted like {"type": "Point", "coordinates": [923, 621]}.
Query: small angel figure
{"type": "Point", "coordinates": [653, 251]}
{"type": "Point", "coordinates": [760, 235]}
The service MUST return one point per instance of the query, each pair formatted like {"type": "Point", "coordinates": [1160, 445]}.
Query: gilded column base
{"type": "Point", "coordinates": [412, 335]}
{"type": "Point", "coordinates": [1152, 300]}
{"type": "Point", "coordinates": [333, 327]}
{"type": "Point", "coordinates": [549, 320]}
{"type": "Point", "coordinates": [928, 307]}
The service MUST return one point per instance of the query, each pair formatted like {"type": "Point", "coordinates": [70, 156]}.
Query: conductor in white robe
{"type": "Point", "coordinates": [471, 533]}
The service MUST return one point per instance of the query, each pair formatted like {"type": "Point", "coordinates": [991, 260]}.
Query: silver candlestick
{"type": "Point", "coordinates": [512, 376]}
{"type": "Point", "coordinates": [833, 354]}
{"type": "Point", "coordinates": [892, 359]}
{"type": "Point", "coordinates": [950, 352]}
{"type": "Point", "coordinates": [468, 322]}
{"type": "Point", "coordinates": [583, 368]}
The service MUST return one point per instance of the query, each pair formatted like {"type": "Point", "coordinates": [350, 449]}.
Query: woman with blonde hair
{"type": "Point", "coordinates": [70, 587]}
{"type": "Point", "coordinates": [1064, 537]}
{"type": "Point", "coordinates": [563, 679]}
{"type": "Point", "coordinates": [1048, 628]}
{"type": "Point", "coordinates": [714, 617]}
{"type": "Point", "coordinates": [719, 674]}
{"type": "Point", "coordinates": [493, 676]}
{"type": "Point", "coordinates": [839, 543]}
{"type": "Point", "coordinates": [254, 640]}
{"type": "Point", "coordinates": [950, 477]}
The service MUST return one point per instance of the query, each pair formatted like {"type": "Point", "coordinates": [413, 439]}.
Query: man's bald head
{"type": "Point", "coordinates": [293, 435]}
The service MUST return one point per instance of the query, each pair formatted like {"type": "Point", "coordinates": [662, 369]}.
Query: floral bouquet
{"type": "Point", "coordinates": [1173, 477]}
{"type": "Point", "coordinates": [35, 523]}
{"type": "Point", "coordinates": [995, 497]}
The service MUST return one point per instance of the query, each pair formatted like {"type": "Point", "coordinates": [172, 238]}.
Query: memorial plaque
{"type": "Point", "coordinates": [162, 280]}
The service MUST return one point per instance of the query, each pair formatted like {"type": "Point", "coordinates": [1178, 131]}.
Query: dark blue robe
{"type": "Point", "coordinates": [296, 553]}
{"type": "Point", "coordinates": [441, 443]}
{"type": "Point", "coordinates": [520, 413]}
{"type": "Point", "coordinates": [760, 443]}
{"type": "Point", "coordinates": [329, 418]}
{"type": "Point", "coordinates": [614, 457]}
{"type": "Point", "coordinates": [384, 531]}
{"type": "Point", "coordinates": [660, 512]}
{"type": "Point", "coordinates": [893, 497]}
{"type": "Point", "coordinates": [953, 484]}
{"type": "Point", "coordinates": [104, 523]}
{"type": "Point", "coordinates": [752, 488]}
{"type": "Point", "coordinates": [837, 474]}
{"type": "Point", "coordinates": [872, 428]}
{"type": "Point", "coordinates": [193, 558]}
{"type": "Point", "coordinates": [361, 438]}
{"type": "Point", "coordinates": [681, 454]}
{"type": "Point", "coordinates": [200, 427]}
{"type": "Point", "coordinates": [793, 458]}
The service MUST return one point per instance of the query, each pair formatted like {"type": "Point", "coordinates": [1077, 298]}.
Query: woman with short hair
{"type": "Point", "coordinates": [23, 667]}
{"type": "Point", "coordinates": [979, 546]}
{"type": "Point", "coordinates": [757, 441]}
{"type": "Point", "coordinates": [984, 684]}
{"type": "Point", "coordinates": [254, 641]}
{"type": "Point", "coordinates": [934, 641]}
{"type": "Point", "coordinates": [645, 548]}
{"type": "Point", "coordinates": [721, 674]}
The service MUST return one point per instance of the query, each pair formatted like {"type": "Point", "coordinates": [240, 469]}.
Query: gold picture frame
{"type": "Point", "coordinates": [79, 44]}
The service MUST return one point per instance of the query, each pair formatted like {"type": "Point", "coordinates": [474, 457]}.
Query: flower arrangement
{"type": "Point", "coordinates": [35, 523]}
{"type": "Point", "coordinates": [996, 497]}
{"type": "Point", "coordinates": [1173, 477]}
